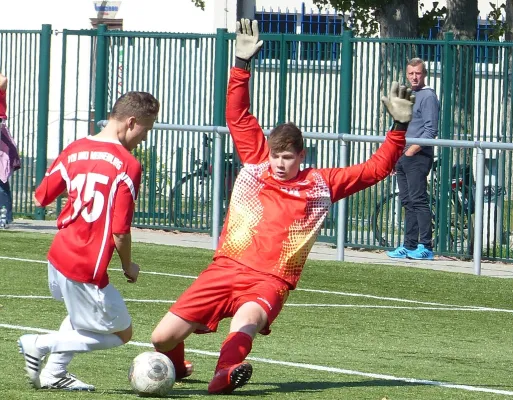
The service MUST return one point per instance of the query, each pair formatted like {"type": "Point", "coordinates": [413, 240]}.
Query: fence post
{"type": "Point", "coordinates": [342, 208]}
{"type": "Point", "coordinates": [100, 82]}
{"type": "Point", "coordinates": [62, 104]}
{"type": "Point", "coordinates": [344, 127]}
{"type": "Point", "coordinates": [346, 84]}
{"type": "Point", "coordinates": [478, 226]}
{"type": "Point", "coordinates": [220, 82]}
{"type": "Point", "coordinates": [446, 130]}
{"type": "Point", "coordinates": [152, 195]}
{"type": "Point", "coordinates": [43, 100]}
{"type": "Point", "coordinates": [282, 94]}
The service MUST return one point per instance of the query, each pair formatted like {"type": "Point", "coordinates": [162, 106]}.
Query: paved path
{"type": "Point", "coordinates": [320, 251]}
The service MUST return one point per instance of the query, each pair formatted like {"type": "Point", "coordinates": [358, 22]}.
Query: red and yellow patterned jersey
{"type": "Point", "coordinates": [272, 225]}
{"type": "Point", "coordinates": [102, 179]}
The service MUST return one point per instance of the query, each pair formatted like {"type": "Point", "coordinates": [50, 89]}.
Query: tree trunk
{"type": "Point", "coordinates": [397, 19]}
{"type": "Point", "coordinates": [509, 20]}
{"type": "Point", "coordinates": [509, 70]}
{"type": "Point", "coordinates": [506, 130]}
{"type": "Point", "coordinates": [461, 20]}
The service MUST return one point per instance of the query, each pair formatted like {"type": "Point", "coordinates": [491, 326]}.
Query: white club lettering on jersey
{"type": "Point", "coordinates": [96, 155]}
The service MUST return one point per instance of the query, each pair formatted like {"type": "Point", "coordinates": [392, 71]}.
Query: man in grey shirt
{"type": "Point", "coordinates": [414, 166]}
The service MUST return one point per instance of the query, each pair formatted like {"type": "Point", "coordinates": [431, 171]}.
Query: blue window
{"type": "Point", "coordinates": [483, 54]}
{"type": "Point", "coordinates": [276, 22]}
{"type": "Point", "coordinates": [321, 25]}
{"type": "Point", "coordinates": [486, 54]}
{"type": "Point", "coordinates": [270, 21]}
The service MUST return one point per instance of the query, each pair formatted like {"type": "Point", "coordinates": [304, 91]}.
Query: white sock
{"type": "Point", "coordinates": [57, 363]}
{"type": "Point", "coordinates": [77, 341]}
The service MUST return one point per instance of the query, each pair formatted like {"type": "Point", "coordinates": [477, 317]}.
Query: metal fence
{"type": "Point", "coordinates": [324, 83]}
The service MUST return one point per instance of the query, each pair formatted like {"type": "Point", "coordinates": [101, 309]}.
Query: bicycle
{"type": "Point", "coordinates": [191, 195]}
{"type": "Point", "coordinates": [388, 215]}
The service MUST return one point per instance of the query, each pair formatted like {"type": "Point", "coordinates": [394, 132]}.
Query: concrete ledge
{"type": "Point", "coordinates": [320, 251]}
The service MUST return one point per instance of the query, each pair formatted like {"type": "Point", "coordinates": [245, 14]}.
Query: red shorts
{"type": "Point", "coordinates": [223, 287]}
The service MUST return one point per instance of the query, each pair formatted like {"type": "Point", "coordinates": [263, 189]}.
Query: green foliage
{"type": "Point", "coordinates": [199, 3]}
{"type": "Point", "coordinates": [359, 15]}
{"type": "Point", "coordinates": [363, 14]}
{"type": "Point", "coordinates": [499, 25]}
{"type": "Point", "coordinates": [152, 165]}
{"type": "Point", "coordinates": [429, 18]}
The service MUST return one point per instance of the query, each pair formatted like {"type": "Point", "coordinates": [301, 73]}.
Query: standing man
{"type": "Point", "coordinates": [9, 158]}
{"type": "Point", "coordinates": [414, 166]}
{"type": "Point", "coordinates": [102, 180]}
{"type": "Point", "coordinates": [276, 211]}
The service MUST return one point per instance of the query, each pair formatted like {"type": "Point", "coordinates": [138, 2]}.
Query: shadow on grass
{"type": "Point", "coordinates": [318, 386]}
{"type": "Point", "coordinates": [277, 387]}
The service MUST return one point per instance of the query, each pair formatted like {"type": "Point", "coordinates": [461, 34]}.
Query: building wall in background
{"type": "Point", "coordinates": [153, 15]}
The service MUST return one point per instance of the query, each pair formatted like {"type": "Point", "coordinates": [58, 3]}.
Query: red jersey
{"type": "Point", "coordinates": [102, 179]}
{"type": "Point", "coordinates": [3, 104]}
{"type": "Point", "coordinates": [272, 225]}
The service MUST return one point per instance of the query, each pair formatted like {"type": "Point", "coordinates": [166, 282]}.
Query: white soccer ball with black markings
{"type": "Point", "coordinates": [151, 374]}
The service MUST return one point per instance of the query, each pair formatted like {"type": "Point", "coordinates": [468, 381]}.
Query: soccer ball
{"type": "Point", "coordinates": [151, 374]}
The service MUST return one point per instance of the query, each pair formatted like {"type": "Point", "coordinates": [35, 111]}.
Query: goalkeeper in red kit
{"type": "Point", "coordinates": [276, 210]}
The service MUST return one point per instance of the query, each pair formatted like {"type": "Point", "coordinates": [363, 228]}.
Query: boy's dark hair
{"type": "Point", "coordinates": [135, 104]}
{"type": "Point", "coordinates": [286, 137]}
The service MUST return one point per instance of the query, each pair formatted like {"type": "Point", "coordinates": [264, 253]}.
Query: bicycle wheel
{"type": "Point", "coordinates": [387, 221]}
{"type": "Point", "coordinates": [189, 200]}
{"type": "Point", "coordinates": [462, 228]}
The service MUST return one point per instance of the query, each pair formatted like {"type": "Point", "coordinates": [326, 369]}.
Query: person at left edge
{"type": "Point", "coordinates": [9, 157]}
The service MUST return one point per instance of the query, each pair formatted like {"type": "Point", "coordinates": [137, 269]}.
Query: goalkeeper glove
{"type": "Point", "coordinates": [399, 105]}
{"type": "Point", "coordinates": [247, 44]}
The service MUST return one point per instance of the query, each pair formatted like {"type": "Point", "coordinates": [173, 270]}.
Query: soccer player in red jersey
{"type": "Point", "coordinates": [276, 210]}
{"type": "Point", "coordinates": [102, 180]}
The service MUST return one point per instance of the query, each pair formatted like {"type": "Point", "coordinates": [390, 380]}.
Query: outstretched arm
{"type": "Point", "coordinates": [244, 128]}
{"type": "Point", "coordinates": [346, 181]}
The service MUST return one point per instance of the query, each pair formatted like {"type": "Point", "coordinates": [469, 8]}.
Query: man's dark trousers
{"type": "Point", "coordinates": [412, 172]}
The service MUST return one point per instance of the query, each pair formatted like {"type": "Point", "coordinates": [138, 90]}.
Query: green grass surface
{"type": "Point", "coordinates": [347, 332]}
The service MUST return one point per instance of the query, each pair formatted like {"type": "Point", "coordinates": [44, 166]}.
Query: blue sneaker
{"type": "Point", "coordinates": [421, 253]}
{"type": "Point", "coordinates": [400, 252]}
